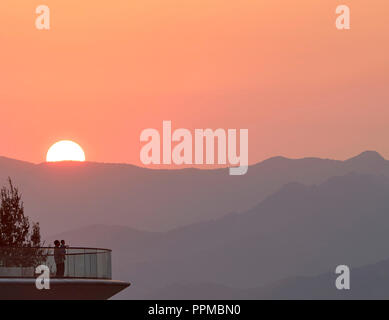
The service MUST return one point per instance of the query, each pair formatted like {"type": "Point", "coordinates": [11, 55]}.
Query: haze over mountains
{"type": "Point", "coordinates": [367, 282]}
{"type": "Point", "coordinates": [299, 231]}
{"type": "Point", "coordinates": [64, 196]}
{"type": "Point", "coordinates": [338, 215]}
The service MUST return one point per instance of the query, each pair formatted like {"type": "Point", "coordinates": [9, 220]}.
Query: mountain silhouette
{"type": "Point", "coordinates": [366, 283]}
{"type": "Point", "coordinates": [69, 195]}
{"type": "Point", "coordinates": [370, 159]}
{"type": "Point", "coordinates": [299, 231]}
{"type": "Point", "coordinates": [369, 282]}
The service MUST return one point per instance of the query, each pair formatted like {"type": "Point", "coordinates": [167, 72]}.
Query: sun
{"type": "Point", "coordinates": [65, 150]}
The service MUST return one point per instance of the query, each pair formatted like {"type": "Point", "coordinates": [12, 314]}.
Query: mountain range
{"type": "Point", "coordinates": [64, 196]}
{"type": "Point", "coordinates": [369, 282]}
{"type": "Point", "coordinates": [305, 217]}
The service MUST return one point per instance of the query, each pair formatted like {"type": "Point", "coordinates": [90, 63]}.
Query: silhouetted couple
{"type": "Point", "coordinates": [60, 257]}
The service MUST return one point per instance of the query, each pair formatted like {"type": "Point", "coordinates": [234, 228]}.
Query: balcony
{"type": "Point", "coordinates": [88, 274]}
{"type": "Point", "coordinates": [82, 263]}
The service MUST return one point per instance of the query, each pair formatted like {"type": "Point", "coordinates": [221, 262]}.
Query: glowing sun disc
{"type": "Point", "coordinates": [65, 150]}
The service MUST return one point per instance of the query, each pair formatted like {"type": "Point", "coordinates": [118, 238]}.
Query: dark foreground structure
{"type": "Point", "coordinates": [87, 274]}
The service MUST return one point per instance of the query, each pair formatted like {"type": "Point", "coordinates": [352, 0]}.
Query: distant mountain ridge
{"type": "Point", "coordinates": [65, 196]}
{"type": "Point", "coordinates": [299, 231]}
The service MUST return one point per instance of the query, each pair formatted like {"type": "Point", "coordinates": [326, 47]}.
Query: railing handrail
{"type": "Point", "coordinates": [80, 262]}
{"type": "Point", "coordinates": [89, 248]}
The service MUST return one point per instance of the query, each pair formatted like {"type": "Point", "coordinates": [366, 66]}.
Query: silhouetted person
{"type": "Point", "coordinates": [63, 245]}
{"type": "Point", "coordinates": [63, 253]}
{"type": "Point", "coordinates": [59, 258]}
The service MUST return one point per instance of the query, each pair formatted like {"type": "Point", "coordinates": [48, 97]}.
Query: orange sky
{"type": "Point", "coordinates": [109, 69]}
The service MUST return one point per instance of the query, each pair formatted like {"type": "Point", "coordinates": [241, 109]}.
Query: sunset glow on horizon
{"type": "Point", "coordinates": [106, 71]}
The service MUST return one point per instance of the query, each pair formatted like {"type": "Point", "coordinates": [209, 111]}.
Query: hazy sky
{"type": "Point", "coordinates": [109, 69]}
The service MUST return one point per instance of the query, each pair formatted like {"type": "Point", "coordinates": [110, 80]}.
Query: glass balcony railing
{"type": "Point", "coordinates": [84, 263]}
